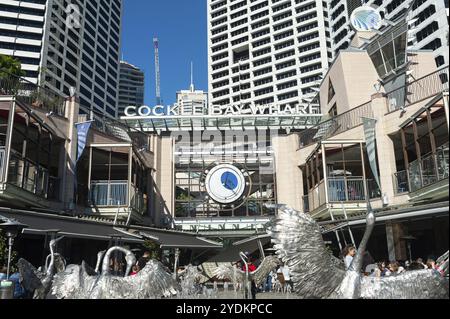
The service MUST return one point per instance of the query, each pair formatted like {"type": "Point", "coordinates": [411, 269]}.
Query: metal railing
{"type": "Point", "coordinates": [317, 196]}
{"type": "Point", "coordinates": [32, 178]}
{"type": "Point", "coordinates": [2, 163]}
{"type": "Point", "coordinates": [418, 90]}
{"type": "Point", "coordinates": [32, 94]}
{"type": "Point", "coordinates": [346, 190]}
{"type": "Point", "coordinates": [138, 202]}
{"type": "Point", "coordinates": [121, 131]}
{"type": "Point", "coordinates": [306, 204]}
{"type": "Point", "coordinates": [115, 193]}
{"type": "Point", "coordinates": [429, 169]}
{"type": "Point", "coordinates": [342, 190]}
{"type": "Point", "coordinates": [109, 193]}
{"type": "Point", "coordinates": [401, 184]}
{"type": "Point", "coordinates": [337, 125]}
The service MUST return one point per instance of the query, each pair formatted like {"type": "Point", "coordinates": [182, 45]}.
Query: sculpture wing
{"type": "Point", "coordinates": [67, 284]}
{"type": "Point", "coordinates": [421, 284]}
{"type": "Point", "coordinates": [299, 244]}
{"type": "Point", "coordinates": [229, 272]}
{"type": "Point", "coordinates": [153, 282]}
{"type": "Point", "coordinates": [30, 277]}
{"type": "Point", "coordinates": [269, 263]}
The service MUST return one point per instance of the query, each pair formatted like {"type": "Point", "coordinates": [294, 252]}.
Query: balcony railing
{"type": "Point", "coordinates": [32, 178]}
{"type": "Point", "coordinates": [115, 194]}
{"type": "Point", "coordinates": [401, 184]}
{"type": "Point", "coordinates": [337, 125]}
{"type": "Point", "coordinates": [342, 190]}
{"type": "Point", "coordinates": [109, 193]}
{"type": "Point", "coordinates": [138, 202]}
{"type": "Point", "coordinates": [429, 169]}
{"type": "Point", "coordinates": [306, 204]}
{"type": "Point", "coordinates": [32, 94]}
{"type": "Point", "coordinates": [419, 90]}
{"type": "Point", "coordinates": [2, 163]}
{"type": "Point", "coordinates": [346, 190]}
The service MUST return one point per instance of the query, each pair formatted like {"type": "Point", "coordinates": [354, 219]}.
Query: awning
{"type": "Point", "coordinates": [71, 227]}
{"type": "Point", "coordinates": [78, 227]}
{"type": "Point", "coordinates": [173, 239]}
{"type": "Point", "coordinates": [249, 245]}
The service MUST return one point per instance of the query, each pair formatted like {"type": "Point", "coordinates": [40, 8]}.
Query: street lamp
{"type": "Point", "coordinates": [11, 229]}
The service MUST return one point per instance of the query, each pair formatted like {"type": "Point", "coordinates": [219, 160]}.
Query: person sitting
{"type": "Point", "coordinates": [142, 262]}
{"type": "Point", "coordinates": [135, 270]}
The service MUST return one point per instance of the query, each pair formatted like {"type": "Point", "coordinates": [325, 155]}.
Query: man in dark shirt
{"type": "Point", "coordinates": [142, 262]}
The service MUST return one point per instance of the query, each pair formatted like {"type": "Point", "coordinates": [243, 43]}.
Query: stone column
{"type": "Point", "coordinates": [385, 147]}
{"type": "Point", "coordinates": [289, 180]}
{"type": "Point", "coordinates": [165, 179]}
{"type": "Point", "coordinates": [68, 178]}
{"type": "Point", "coordinates": [396, 246]}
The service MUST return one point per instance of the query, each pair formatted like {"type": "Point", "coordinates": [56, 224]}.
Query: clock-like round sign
{"type": "Point", "coordinates": [225, 184]}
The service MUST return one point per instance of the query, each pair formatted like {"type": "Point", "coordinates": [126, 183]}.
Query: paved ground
{"type": "Point", "coordinates": [260, 296]}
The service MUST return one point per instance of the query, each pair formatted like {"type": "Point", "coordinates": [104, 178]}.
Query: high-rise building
{"type": "Point", "coordinates": [192, 101]}
{"type": "Point", "coordinates": [265, 52]}
{"type": "Point", "coordinates": [131, 86]}
{"type": "Point", "coordinates": [67, 44]}
{"type": "Point", "coordinates": [431, 26]}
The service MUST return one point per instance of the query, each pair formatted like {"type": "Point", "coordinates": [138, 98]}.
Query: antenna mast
{"type": "Point", "coordinates": [157, 71]}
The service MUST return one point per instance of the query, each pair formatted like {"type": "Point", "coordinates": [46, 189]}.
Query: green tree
{"type": "Point", "coordinates": [154, 249]}
{"type": "Point", "coordinates": [10, 66]}
{"type": "Point", "coordinates": [10, 85]}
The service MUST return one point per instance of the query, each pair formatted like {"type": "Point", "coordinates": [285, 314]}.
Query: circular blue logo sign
{"type": "Point", "coordinates": [229, 180]}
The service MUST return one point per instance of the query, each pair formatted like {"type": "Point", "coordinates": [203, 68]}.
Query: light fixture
{"type": "Point", "coordinates": [378, 86]}
{"type": "Point", "coordinates": [11, 229]}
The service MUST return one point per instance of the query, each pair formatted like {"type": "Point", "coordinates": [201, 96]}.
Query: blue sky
{"type": "Point", "coordinates": [180, 26]}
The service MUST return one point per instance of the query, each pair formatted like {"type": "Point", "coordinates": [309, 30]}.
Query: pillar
{"type": "Point", "coordinates": [397, 247]}
{"type": "Point", "coordinates": [70, 147]}
{"type": "Point", "coordinates": [289, 179]}
{"type": "Point", "coordinates": [164, 181]}
{"type": "Point", "coordinates": [385, 147]}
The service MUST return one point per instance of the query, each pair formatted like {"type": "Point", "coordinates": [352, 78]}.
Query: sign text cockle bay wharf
{"type": "Point", "coordinates": [218, 110]}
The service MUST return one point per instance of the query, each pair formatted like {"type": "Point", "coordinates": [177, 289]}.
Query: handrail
{"type": "Point", "coordinates": [33, 94]}
{"type": "Point", "coordinates": [309, 136]}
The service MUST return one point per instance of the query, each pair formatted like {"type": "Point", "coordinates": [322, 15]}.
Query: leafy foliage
{"type": "Point", "coordinates": [154, 249]}
{"type": "Point", "coordinates": [10, 66]}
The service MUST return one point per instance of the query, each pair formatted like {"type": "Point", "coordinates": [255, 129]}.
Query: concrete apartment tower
{"type": "Point", "coordinates": [430, 23]}
{"type": "Point", "coordinates": [266, 51]}
{"type": "Point", "coordinates": [67, 43]}
{"type": "Point", "coordinates": [131, 86]}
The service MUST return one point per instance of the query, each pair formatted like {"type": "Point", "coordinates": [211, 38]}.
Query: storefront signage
{"type": "Point", "coordinates": [218, 110]}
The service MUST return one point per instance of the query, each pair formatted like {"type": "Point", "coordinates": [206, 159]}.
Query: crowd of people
{"type": "Point", "coordinates": [384, 268]}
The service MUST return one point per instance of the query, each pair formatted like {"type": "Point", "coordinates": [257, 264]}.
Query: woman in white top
{"type": "Point", "coordinates": [349, 253]}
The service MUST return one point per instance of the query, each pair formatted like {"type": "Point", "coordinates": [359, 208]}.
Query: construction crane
{"type": "Point", "coordinates": [157, 72]}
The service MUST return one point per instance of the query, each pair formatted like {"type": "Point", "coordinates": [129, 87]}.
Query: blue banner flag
{"type": "Point", "coordinates": [83, 130]}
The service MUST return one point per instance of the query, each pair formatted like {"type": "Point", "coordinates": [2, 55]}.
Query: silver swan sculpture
{"type": "Point", "coordinates": [152, 282]}
{"type": "Point", "coordinates": [299, 243]}
{"type": "Point", "coordinates": [38, 283]}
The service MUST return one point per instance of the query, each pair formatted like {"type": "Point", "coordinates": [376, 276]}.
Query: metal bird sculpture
{"type": "Point", "coordinates": [229, 272]}
{"type": "Point", "coordinates": [36, 282]}
{"type": "Point", "coordinates": [151, 282]}
{"type": "Point", "coordinates": [299, 243]}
